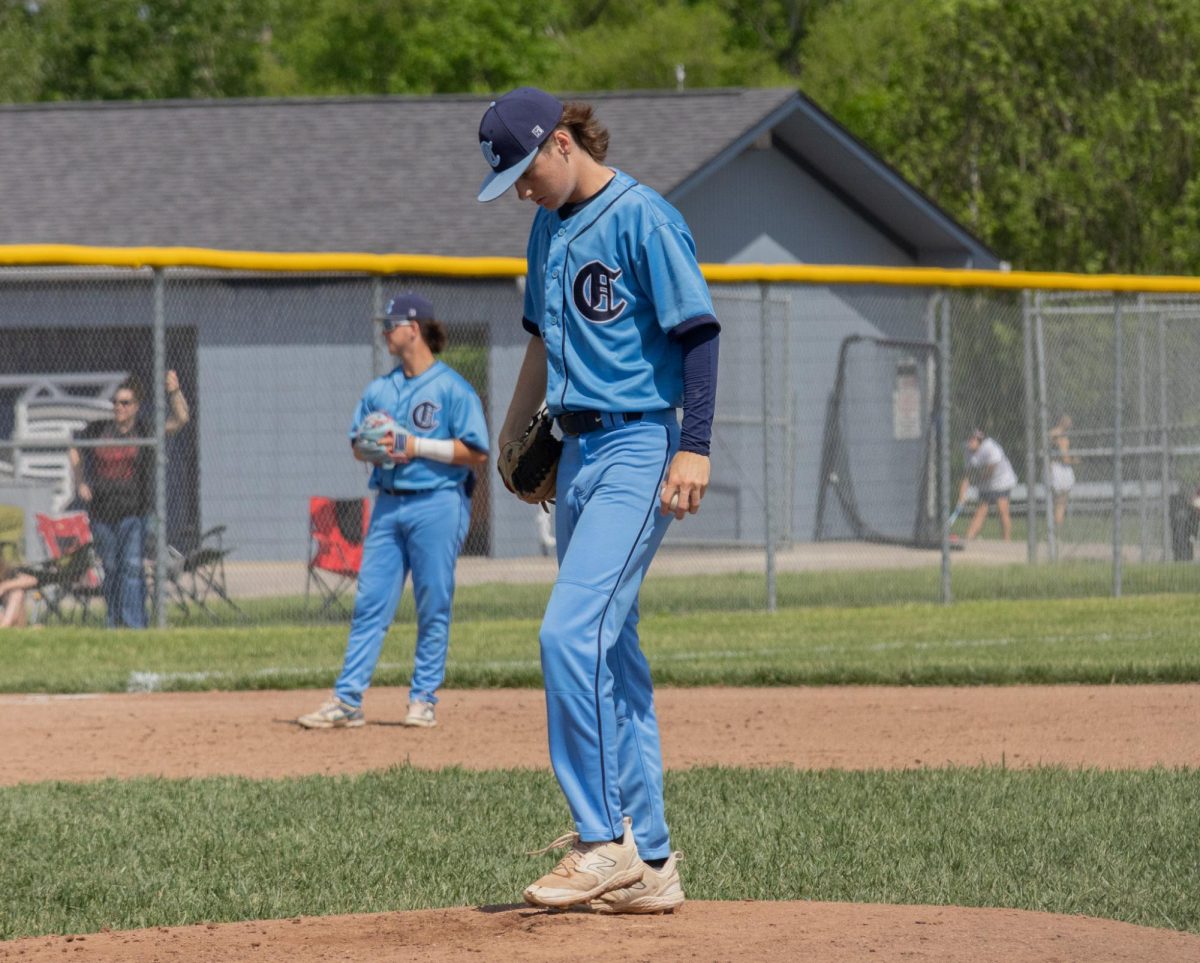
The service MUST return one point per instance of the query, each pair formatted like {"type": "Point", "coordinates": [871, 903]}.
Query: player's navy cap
{"type": "Point", "coordinates": [512, 130]}
{"type": "Point", "coordinates": [407, 307]}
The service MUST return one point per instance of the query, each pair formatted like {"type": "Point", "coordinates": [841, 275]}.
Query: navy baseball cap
{"type": "Point", "coordinates": [512, 130]}
{"type": "Point", "coordinates": [407, 307]}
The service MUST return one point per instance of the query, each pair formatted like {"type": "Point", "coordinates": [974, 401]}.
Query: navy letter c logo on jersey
{"type": "Point", "coordinates": [593, 292]}
{"type": "Point", "coordinates": [424, 416]}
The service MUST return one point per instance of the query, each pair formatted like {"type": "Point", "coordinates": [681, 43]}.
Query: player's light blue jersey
{"type": "Point", "coordinates": [605, 287]}
{"type": "Point", "coordinates": [438, 403]}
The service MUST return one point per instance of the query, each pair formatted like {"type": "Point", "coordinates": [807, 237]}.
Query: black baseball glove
{"type": "Point", "coordinates": [529, 465]}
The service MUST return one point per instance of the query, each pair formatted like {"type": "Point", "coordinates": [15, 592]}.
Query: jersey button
{"type": "Point", "coordinates": [555, 273]}
{"type": "Point", "coordinates": [562, 231]}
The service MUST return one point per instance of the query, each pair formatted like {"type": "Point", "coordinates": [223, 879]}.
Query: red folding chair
{"type": "Point", "coordinates": [72, 572]}
{"type": "Point", "coordinates": [336, 530]}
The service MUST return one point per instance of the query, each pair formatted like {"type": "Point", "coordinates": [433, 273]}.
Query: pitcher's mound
{"type": "Point", "coordinates": [812, 932]}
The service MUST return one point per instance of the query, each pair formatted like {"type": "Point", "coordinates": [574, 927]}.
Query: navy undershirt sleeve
{"type": "Point", "coordinates": [699, 386]}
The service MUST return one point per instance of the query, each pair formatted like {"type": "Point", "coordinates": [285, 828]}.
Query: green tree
{"type": "Point", "coordinates": [20, 57]}
{"type": "Point", "coordinates": [779, 28]}
{"type": "Point", "coordinates": [410, 46]}
{"type": "Point", "coordinates": [1064, 134]}
{"type": "Point", "coordinates": [638, 45]}
{"type": "Point", "coordinates": [137, 49]}
{"type": "Point", "coordinates": [425, 46]}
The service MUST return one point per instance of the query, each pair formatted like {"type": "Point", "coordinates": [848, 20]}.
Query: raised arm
{"type": "Point", "coordinates": [178, 413]}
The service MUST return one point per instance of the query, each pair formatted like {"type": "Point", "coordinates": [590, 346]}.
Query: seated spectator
{"type": "Point", "coordinates": [15, 584]}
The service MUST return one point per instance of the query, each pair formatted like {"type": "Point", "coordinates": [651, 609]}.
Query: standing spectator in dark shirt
{"type": "Point", "coordinates": [116, 483]}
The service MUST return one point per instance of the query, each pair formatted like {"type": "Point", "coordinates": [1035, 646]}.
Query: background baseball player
{"type": "Point", "coordinates": [623, 334]}
{"type": "Point", "coordinates": [989, 469]}
{"type": "Point", "coordinates": [423, 477]}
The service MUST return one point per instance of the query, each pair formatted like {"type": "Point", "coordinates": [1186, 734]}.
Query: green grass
{"type": "Point", "coordinates": [1138, 639]}
{"type": "Point", "coordinates": [746, 591]}
{"type": "Point", "coordinates": [79, 857]}
{"type": "Point", "coordinates": [1090, 525]}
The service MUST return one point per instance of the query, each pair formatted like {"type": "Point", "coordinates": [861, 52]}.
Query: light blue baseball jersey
{"type": "Point", "coordinates": [438, 403]}
{"type": "Point", "coordinates": [605, 287]}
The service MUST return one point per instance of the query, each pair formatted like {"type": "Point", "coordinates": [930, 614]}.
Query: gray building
{"type": "Point", "coordinates": [276, 363]}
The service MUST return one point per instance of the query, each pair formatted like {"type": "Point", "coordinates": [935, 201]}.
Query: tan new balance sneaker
{"type": "Point", "coordinates": [334, 714]}
{"type": "Point", "coordinates": [588, 870]}
{"type": "Point", "coordinates": [421, 714]}
{"type": "Point", "coordinates": [658, 891]}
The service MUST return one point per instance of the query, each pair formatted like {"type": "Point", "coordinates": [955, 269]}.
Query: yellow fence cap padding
{"type": "Point", "coordinates": [429, 265]}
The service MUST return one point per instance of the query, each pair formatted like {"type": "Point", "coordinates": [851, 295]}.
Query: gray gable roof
{"type": "Point", "coordinates": [386, 174]}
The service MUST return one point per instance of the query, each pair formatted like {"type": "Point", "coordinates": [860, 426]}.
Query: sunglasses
{"type": "Point", "coordinates": [124, 402]}
{"type": "Point", "coordinates": [391, 324]}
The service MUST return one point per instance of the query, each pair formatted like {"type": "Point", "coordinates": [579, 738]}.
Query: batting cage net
{"type": "Point", "coordinates": [879, 458]}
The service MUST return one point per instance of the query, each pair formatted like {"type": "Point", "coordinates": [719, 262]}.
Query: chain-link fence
{"type": "Point", "coordinates": [1117, 431]}
{"type": "Point", "coordinates": [834, 481]}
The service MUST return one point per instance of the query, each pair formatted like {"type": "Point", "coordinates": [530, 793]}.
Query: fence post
{"type": "Point", "coordinates": [1164, 439]}
{"type": "Point", "coordinates": [379, 355]}
{"type": "Point", "coordinates": [1118, 360]}
{"type": "Point", "coordinates": [769, 535]}
{"type": "Point", "coordinates": [1142, 438]}
{"type": "Point", "coordinates": [160, 450]}
{"type": "Point", "coordinates": [1030, 438]}
{"type": "Point", "coordinates": [1043, 426]}
{"type": "Point", "coordinates": [944, 441]}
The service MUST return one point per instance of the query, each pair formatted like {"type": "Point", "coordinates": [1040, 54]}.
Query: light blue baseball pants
{"type": "Point", "coordinates": [419, 535]}
{"type": "Point", "coordinates": [604, 744]}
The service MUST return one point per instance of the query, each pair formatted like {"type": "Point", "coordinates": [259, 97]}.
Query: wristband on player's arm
{"type": "Point", "coordinates": [435, 449]}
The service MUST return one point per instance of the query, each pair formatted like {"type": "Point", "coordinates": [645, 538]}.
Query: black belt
{"type": "Point", "coordinates": [581, 422]}
{"type": "Point", "coordinates": [406, 491]}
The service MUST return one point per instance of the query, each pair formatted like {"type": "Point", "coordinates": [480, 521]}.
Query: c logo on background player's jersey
{"type": "Point", "coordinates": [593, 292]}
{"type": "Point", "coordinates": [424, 416]}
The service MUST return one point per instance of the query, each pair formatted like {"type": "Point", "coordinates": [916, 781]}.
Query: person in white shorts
{"type": "Point", "coordinates": [990, 471]}
{"type": "Point", "coordinates": [1062, 475]}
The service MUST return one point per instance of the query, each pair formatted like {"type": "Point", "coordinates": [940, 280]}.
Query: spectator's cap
{"type": "Point", "coordinates": [405, 308]}
{"type": "Point", "coordinates": [512, 130]}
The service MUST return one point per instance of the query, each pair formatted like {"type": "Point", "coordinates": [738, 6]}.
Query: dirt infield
{"type": "Point", "coordinates": [811, 932]}
{"type": "Point", "coordinates": [253, 734]}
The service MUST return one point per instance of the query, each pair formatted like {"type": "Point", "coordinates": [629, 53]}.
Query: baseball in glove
{"type": "Point", "coordinates": [529, 465]}
{"type": "Point", "coordinates": [371, 435]}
